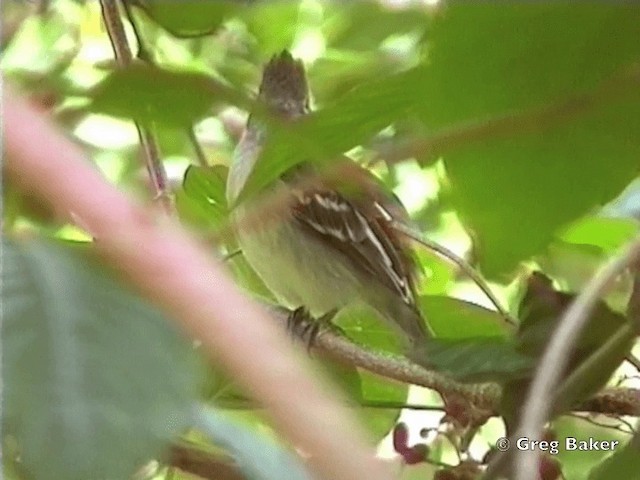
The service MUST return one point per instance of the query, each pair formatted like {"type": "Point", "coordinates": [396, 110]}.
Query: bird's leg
{"type": "Point", "coordinates": [301, 323]}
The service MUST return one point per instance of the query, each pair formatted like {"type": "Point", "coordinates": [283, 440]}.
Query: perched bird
{"type": "Point", "coordinates": [334, 244]}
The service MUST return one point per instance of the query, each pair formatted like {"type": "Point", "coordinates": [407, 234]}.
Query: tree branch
{"type": "Point", "coordinates": [144, 54]}
{"type": "Point", "coordinates": [194, 289]}
{"type": "Point", "coordinates": [483, 396]}
{"type": "Point", "coordinates": [123, 56]}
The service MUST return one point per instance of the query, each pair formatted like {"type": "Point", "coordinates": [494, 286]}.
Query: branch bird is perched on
{"type": "Point", "coordinates": [333, 245]}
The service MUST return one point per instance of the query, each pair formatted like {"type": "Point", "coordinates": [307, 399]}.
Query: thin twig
{"type": "Point", "coordinates": [197, 148]}
{"type": "Point", "coordinates": [633, 360]}
{"type": "Point", "coordinates": [144, 54]}
{"type": "Point", "coordinates": [122, 53]}
{"type": "Point", "coordinates": [460, 262]}
{"type": "Point", "coordinates": [537, 406]}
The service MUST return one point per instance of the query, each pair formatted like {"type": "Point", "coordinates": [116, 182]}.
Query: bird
{"type": "Point", "coordinates": [334, 245]}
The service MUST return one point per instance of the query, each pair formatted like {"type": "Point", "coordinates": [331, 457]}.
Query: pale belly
{"type": "Point", "coordinates": [289, 264]}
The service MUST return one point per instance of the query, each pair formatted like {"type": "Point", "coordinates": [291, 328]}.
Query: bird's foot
{"type": "Point", "coordinates": [301, 324]}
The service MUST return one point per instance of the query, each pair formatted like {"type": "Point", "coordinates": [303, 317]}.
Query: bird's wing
{"type": "Point", "coordinates": [365, 237]}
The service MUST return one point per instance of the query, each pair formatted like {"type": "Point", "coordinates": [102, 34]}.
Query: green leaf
{"type": "Point", "coordinates": [359, 25]}
{"type": "Point", "coordinates": [624, 463]}
{"type": "Point", "coordinates": [363, 325]}
{"type": "Point", "coordinates": [246, 276]}
{"type": "Point", "coordinates": [43, 45]}
{"type": "Point", "coordinates": [189, 18]}
{"type": "Point", "coordinates": [151, 94]}
{"type": "Point", "coordinates": [477, 360]}
{"type": "Point", "coordinates": [607, 233]}
{"type": "Point", "coordinates": [257, 457]}
{"type": "Point", "coordinates": [377, 390]}
{"type": "Point", "coordinates": [452, 318]}
{"type": "Point", "coordinates": [515, 191]}
{"type": "Point", "coordinates": [321, 137]}
{"type": "Point", "coordinates": [523, 55]}
{"type": "Point", "coordinates": [274, 24]}
{"type": "Point", "coordinates": [345, 376]}
{"type": "Point", "coordinates": [96, 381]}
{"type": "Point", "coordinates": [572, 265]}
{"type": "Point", "coordinates": [577, 464]}
{"type": "Point", "coordinates": [201, 200]}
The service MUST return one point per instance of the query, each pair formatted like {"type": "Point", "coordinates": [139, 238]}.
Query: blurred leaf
{"type": "Point", "coordinates": [96, 381]}
{"type": "Point", "coordinates": [345, 376]}
{"type": "Point", "coordinates": [274, 24]}
{"type": "Point", "coordinates": [43, 45]}
{"type": "Point", "coordinates": [258, 457]}
{"type": "Point", "coordinates": [541, 309]}
{"type": "Point", "coordinates": [385, 392]}
{"type": "Point", "coordinates": [607, 233]}
{"type": "Point", "coordinates": [478, 359]}
{"type": "Point", "coordinates": [627, 204]}
{"type": "Point", "coordinates": [320, 137]}
{"type": "Point", "coordinates": [576, 464]}
{"type": "Point", "coordinates": [623, 463]}
{"type": "Point", "coordinates": [523, 55]}
{"type": "Point", "coordinates": [248, 278]}
{"type": "Point", "coordinates": [150, 94]}
{"type": "Point", "coordinates": [359, 25]}
{"type": "Point", "coordinates": [573, 264]}
{"type": "Point", "coordinates": [189, 18]}
{"type": "Point", "coordinates": [452, 318]}
{"type": "Point", "coordinates": [599, 350]}
{"type": "Point", "coordinates": [488, 60]}
{"type": "Point", "coordinates": [363, 325]}
{"type": "Point", "coordinates": [201, 201]}
{"type": "Point", "coordinates": [441, 274]}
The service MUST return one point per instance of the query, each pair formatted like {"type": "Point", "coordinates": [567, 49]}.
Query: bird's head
{"type": "Point", "coordinates": [284, 86]}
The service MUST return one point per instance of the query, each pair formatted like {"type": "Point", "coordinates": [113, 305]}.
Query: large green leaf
{"type": "Point", "coordinates": [515, 191]}
{"type": "Point", "coordinates": [95, 380]}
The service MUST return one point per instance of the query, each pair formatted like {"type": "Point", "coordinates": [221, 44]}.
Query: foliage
{"type": "Point", "coordinates": [523, 122]}
{"type": "Point", "coordinates": [98, 380]}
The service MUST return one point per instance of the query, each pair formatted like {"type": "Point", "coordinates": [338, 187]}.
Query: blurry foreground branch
{"type": "Point", "coordinates": [194, 289]}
